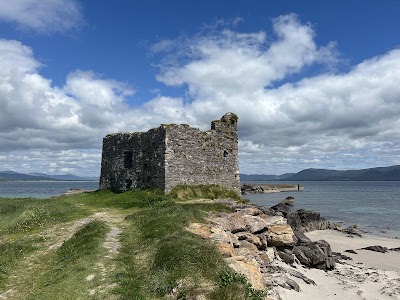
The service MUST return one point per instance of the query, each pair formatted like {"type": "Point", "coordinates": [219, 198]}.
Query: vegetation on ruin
{"type": "Point", "coordinates": [102, 245]}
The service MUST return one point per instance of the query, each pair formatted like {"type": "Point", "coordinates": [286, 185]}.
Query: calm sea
{"type": "Point", "coordinates": [42, 189]}
{"type": "Point", "coordinates": [373, 205]}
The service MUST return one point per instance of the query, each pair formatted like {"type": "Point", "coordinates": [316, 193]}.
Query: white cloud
{"type": "Point", "coordinates": [42, 16]}
{"type": "Point", "coordinates": [333, 120]}
{"type": "Point", "coordinates": [312, 121]}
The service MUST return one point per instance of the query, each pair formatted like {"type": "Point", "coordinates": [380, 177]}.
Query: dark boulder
{"type": "Point", "coordinates": [338, 257]}
{"type": "Point", "coordinates": [288, 201]}
{"type": "Point", "coordinates": [376, 249]}
{"type": "Point", "coordinates": [318, 255]}
{"type": "Point", "coordinates": [286, 255]}
{"type": "Point", "coordinates": [306, 220]}
{"type": "Point", "coordinates": [350, 251]}
{"type": "Point", "coordinates": [302, 239]}
{"type": "Point", "coordinates": [284, 209]}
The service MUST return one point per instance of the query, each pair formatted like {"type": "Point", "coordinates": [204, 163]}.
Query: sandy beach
{"type": "Point", "coordinates": [369, 275]}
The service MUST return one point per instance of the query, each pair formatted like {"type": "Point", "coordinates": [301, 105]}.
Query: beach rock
{"type": "Point", "coordinates": [226, 250]}
{"type": "Point", "coordinates": [284, 209]}
{"type": "Point", "coordinates": [318, 255]}
{"type": "Point", "coordinates": [350, 251]}
{"type": "Point", "coordinates": [251, 272]}
{"type": "Point", "coordinates": [337, 256]}
{"type": "Point", "coordinates": [287, 256]}
{"type": "Point", "coordinates": [336, 226]}
{"type": "Point", "coordinates": [268, 211]}
{"type": "Point", "coordinates": [395, 249]}
{"type": "Point", "coordinates": [306, 220]}
{"type": "Point", "coordinates": [352, 229]}
{"type": "Point", "coordinates": [302, 276]}
{"type": "Point", "coordinates": [264, 242]}
{"type": "Point", "coordinates": [230, 222]}
{"type": "Point", "coordinates": [287, 201]}
{"type": "Point", "coordinates": [273, 220]}
{"type": "Point", "coordinates": [255, 224]}
{"type": "Point", "coordinates": [281, 235]}
{"type": "Point", "coordinates": [285, 282]}
{"type": "Point", "coordinates": [302, 239]}
{"type": "Point", "coordinates": [251, 238]}
{"type": "Point", "coordinates": [251, 211]}
{"type": "Point", "coordinates": [219, 235]}
{"type": "Point", "coordinates": [375, 249]}
{"type": "Point", "coordinates": [265, 259]}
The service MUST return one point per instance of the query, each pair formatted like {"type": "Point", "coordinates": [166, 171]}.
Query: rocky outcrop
{"type": "Point", "coordinates": [317, 254]}
{"type": "Point", "coordinates": [251, 238]}
{"type": "Point", "coordinates": [288, 201]}
{"type": "Point", "coordinates": [306, 220]}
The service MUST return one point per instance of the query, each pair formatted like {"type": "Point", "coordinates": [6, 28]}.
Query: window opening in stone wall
{"type": "Point", "coordinates": [226, 153]}
{"type": "Point", "coordinates": [128, 159]}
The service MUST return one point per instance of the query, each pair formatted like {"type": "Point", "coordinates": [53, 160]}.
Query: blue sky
{"type": "Point", "coordinates": [315, 83]}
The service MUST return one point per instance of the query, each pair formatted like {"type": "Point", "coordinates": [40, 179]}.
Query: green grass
{"type": "Point", "coordinates": [26, 215]}
{"type": "Point", "coordinates": [11, 253]}
{"type": "Point", "coordinates": [203, 191]}
{"type": "Point", "coordinates": [63, 275]}
{"type": "Point", "coordinates": [127, 200]}
{"type": "Point", "coordinates": [158, 256]}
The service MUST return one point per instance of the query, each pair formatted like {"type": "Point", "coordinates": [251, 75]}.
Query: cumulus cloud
{"type": "Point", "coordinates": [38, 119]}
{"type": "Point", "coordinates": [322, 121]}
{"type": "Point", "coordinates": [332, 120]}
{"type": "Point", "coordinates": [43, 16]}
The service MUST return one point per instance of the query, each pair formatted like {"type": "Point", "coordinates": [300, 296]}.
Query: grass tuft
{"type": "Point", "coordinates": [10, 254]}
{"type": "Point", "coordinates": [26, 215]}
{"type": "Point", "coordinates": [202, 191]}
{"type": "Point", "coordinates": [63, 276]}
{"type": "Point", "coordinates": [158, 258]}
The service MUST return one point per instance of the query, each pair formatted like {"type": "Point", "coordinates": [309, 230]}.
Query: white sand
{"type": "Point", "coordinates": [340, 242]}
{"type": "Point", "coordinates": [370, 275]}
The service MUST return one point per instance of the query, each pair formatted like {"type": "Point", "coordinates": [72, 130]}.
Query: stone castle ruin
{"type": "Point", "coordinates": [172, 155]}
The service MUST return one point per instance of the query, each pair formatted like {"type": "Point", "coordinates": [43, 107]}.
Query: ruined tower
{"type": "Point", "coordinates": [170, 155]}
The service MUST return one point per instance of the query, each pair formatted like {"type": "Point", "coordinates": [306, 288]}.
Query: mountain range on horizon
{"type": "Point", "coordinates": [391, 173]}
{"type": "Point", "coordinates": [15, 176]}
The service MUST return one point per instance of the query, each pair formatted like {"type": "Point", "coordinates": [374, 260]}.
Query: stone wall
{"type": "Point", "coordinates": [133, 160]}
{"type": "Point", "coordinates": [170, 155]}
{"type": "Point", "coordinates": [198, 157]}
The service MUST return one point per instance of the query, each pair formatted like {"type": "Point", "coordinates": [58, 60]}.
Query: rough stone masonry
{"type": "Point", "coordinates": [171, 155]}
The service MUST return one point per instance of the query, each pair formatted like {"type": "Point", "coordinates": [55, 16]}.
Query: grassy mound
{"type": "Point", "coordinates": [157, 257]}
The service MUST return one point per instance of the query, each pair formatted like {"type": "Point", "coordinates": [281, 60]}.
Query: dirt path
{"type": "Point", "coordinates": [24, 276]}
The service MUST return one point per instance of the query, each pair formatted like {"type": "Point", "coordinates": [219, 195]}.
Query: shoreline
{"type": "Point", "coordinates": [369, 275]}
{"type": "Point", "coordinates": [340, 242]}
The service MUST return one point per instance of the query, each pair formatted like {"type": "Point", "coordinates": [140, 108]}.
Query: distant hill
{"type": "Point", "coordinates": [13, 176]}
{"type": "Point", "coordinates": [65, 177]}
{"type": "Point", "coordinates": [263, 177]}
{"type": "Point", "coordinates": [378, 174]}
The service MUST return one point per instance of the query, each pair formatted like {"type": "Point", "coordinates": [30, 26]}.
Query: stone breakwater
{"type": "Point", "coordinates": [252, 239]}
{"type": "Point", "coordinates": [270, 188]}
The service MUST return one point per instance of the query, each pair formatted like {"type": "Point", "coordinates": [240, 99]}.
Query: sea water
{"type": "Point", "coordinates": [374, 206]}
{"type": "Point", "coordinates": [42, 189]}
